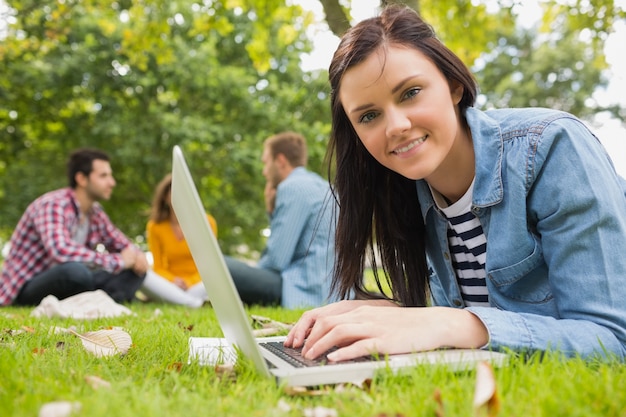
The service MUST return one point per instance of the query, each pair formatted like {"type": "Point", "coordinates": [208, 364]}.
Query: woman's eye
{"type": "Point", "coordinates": [411, 93]}
{"type": "Point", "coordinates": [367, 117]}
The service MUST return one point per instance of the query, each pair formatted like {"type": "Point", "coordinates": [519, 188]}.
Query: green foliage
{"type": "Point", "coordinates": [464, 27]}
{"type": "Point", "coordinates": [557, 63]}
{"type": "Point", "coordinates": [136, 78]}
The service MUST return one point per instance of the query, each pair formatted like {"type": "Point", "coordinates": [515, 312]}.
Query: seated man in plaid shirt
{"type": "Point", "coordinates": [65, 244]}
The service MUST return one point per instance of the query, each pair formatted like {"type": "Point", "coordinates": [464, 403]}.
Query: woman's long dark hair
{"type": "Point", "coordinates": [378, 207]}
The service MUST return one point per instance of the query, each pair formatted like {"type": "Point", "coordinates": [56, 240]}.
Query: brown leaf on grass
{"type": "Point", "coordinates": [106, 342]}
{"type": "Point", "coordinates": [13, 333]}
{"type": "Point", "coordinates": [176, 366]}
{"type": "Point", "coordinates": [96, 382]}
{"type": "Point", "coordinates": [226, 372]}
{"type": "Point", "coordinates": [300, 391]}
{"type": "Point", "coordinates": [439, 412]}
{"type": "Point", "coordinates": [39, 351]}
{"type": "Point", "coordinates": [486, 401]}
{"type": "Point", "coordinates": [188, 328]}
{"type": "Point", "coordinates": [363, 385]}
{"type": "Point", "coordinates": [29, 329]}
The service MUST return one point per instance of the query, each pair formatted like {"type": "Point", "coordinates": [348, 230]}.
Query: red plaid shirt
{"type": "Point", "coordinates": [43, 239]}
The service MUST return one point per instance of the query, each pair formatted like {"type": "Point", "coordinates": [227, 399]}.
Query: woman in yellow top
{"type": "Point", "coordinates": [174, 277]}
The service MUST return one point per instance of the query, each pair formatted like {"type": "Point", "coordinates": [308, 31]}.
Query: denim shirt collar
{"type": "Point", "coordinates": [488, 147]}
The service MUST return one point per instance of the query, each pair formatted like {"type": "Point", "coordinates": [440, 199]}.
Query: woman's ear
{"type": "Point", "coordinates": [456, 91]}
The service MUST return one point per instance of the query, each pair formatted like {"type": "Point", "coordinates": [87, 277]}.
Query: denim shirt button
{"type": "Point", "coordinates": [446, 255]}
{"type": "Point", "coordinates": [457, 303]}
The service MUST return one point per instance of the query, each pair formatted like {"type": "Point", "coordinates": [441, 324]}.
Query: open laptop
{"type": "Point", "coordinates": [235, 323]}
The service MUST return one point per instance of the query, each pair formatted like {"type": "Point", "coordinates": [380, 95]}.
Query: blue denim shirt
{"type": "Point", "coordinates": [553, 211]}
{"type": "Point", "coordinates": [301, 245]}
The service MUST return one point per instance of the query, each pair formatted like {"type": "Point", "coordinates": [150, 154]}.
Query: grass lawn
{"type": "Point", "coordinates": [154, 378]}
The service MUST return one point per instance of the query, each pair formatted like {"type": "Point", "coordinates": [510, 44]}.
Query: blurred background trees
{"type": "Point", "coordinates": [136, 77]}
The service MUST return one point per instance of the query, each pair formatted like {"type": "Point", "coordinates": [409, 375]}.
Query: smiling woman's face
{"type": "Point", "coordinates": [403, 110]}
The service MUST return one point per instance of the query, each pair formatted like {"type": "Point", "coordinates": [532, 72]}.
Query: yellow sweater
{"type": "Point", "coordinates": [172, 257]}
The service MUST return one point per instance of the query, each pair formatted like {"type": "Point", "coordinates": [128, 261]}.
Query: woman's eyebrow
{"type": "Point", "coordinates": [394, 90]}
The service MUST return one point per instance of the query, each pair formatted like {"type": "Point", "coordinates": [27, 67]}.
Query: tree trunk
{"type": "Point", "coordinates": [335, 17]}
{"type": "Point", "coordinates": [338, 21]}
{"type": "Point", "coordinates": [413, 4]}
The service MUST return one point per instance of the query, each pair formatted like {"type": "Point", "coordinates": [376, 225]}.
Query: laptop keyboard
{"type": "Point", "coordinates": [294, 356]}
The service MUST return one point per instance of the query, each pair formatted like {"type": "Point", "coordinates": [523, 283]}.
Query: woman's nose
{"type": "Point", "coordinates": [397, 123]}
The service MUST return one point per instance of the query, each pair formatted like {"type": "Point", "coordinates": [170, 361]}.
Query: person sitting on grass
{"type": "Point", "coordinates": [54, 250]}
{"type": "Point", "coordinates": [174, 277]}
{"type": "Point", "coordinates": [295, 267]}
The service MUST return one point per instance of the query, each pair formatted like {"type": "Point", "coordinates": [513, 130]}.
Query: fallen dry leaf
{"type": "Point", "coordinates": [106, 342]}
{"type": "Point", "coordinates": [486, 400]}
{"type": "Point", "coordinates": [283, 406]}
{"type": "Point", "coordinates": [439, 412]}
{"type": "Point", "coordinates": [96, 382]}
{"type": "Point", "coordinates": [268, 326]}
{"type": "Point", "coordinates": [226, 372]}
{"type": "Point", "coordinates": [188, 328]}
{"type": "Point", "coordinates": [320, 412]}
{"type": "Point", "coordinates": [175, 366]}
{"type": "Point", "coordinates": [300, 391]}
{"type": "Point", "coordinates": [59, 409]}
{"type": "Point", "coordinates": [268, 331]}
{"type": "Point", "coordinates": [61, 330]}
{"type": "Point", "coordinates": [13, 333]}
{"type": "Point", "coordinates": [387, 415]}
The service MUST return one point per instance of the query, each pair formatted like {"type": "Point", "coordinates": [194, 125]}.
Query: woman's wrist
{"type": "Point", "coordinates": [464, 329]}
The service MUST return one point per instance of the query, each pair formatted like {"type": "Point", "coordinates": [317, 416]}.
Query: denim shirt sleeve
{"type": "Point", "coordinates": [576, 211]}
{"type": "Point", "coordinates": [562, 283]}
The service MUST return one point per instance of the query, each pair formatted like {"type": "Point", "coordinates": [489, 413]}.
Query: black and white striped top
{"type": "Point", "coordinates": [468, 248]}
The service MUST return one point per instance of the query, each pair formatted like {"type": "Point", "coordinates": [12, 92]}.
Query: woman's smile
{"type": "Point", "coordinates": [402, 150]}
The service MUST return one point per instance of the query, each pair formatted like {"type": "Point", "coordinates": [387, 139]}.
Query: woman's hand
{"type": "Point", "coordinates": [180, 283]}
{"type": "Point", "coordinates": [300, 331]}
{"type": "Point", "coordinates": [371, 329]}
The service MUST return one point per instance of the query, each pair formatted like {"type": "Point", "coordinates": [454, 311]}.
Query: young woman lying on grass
{"type": "Point", "coordinates": [512, 221]}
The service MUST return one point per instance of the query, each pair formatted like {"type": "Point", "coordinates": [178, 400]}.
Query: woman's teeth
{"type": "Point", "coordinates": [410, 145]}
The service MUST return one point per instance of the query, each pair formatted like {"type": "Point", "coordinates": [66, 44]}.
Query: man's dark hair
{"type": "Point", "coordinates": [81, 160]}
{"type": "Point", "coordinates": [290, 144]}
